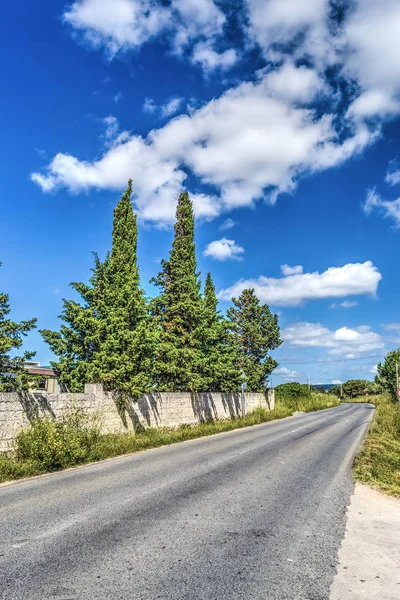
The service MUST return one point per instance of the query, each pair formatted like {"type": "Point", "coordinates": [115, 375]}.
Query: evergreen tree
{"type": "Point", "coordinates": [13, 375]}
{"type": "Point", "coordinates": [127, 333]}
{"type": "Point", "coordinates": [256, 332]}
{"type": "Point", "coordinates": [387, 377]}
{"type": "Point", "coordinates": [222, 370]}
{"type": "Point", "coordinates": [179, 361]}
{"type": "Point", "coordinates": [109, 339]}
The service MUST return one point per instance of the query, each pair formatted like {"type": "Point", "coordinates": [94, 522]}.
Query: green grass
{"type": "Point", "coordinates": [53, 445]}
{"type": "Point", "coordinates": [378, 462]}
{"type": "Point", "coordinates": [308, 402]}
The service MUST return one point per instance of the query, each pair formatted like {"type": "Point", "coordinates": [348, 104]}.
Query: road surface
{"type": "Point", "coordinates": [257, 513]}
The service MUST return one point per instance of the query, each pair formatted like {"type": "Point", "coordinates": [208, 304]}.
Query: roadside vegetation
{"type": "Point", "coordinates": [378, 462]}
{"type": "Point", "coordinates": [76, 439]}
{"type": "Point", "coordinates": [298, 397]}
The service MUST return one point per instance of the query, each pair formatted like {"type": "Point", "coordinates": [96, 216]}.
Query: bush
{"type": "Point", "coordinates": [52, 445]}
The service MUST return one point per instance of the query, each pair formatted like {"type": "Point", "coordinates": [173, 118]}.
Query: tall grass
{"type": "Point", "coordinates": [308, 402]}
{"type": "Point", "coordinates": [76, 439]}
{"type": "Point", "coordinates": [378, 462]}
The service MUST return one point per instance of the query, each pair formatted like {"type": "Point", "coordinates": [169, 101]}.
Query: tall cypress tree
{"type": "Point", "coordinates": [179, 362]}
{"type": "Point", "coordinates": [256, 332]}
{"type": "Point", "coordinates": [222, 370]}
{"type": "Point", "coordinates": [111, 338]}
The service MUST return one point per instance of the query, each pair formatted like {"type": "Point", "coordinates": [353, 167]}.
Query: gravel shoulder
{"type": "Point", "coordinates": [369, 557]}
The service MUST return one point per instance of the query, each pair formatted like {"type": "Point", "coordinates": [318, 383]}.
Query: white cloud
{"type": "Point", "coordinates": [227, 224]}
{"type": "Point", "coordinates": [117, 25]}
{"type": "Point", "coordinates": [349, 280]}
{"type": "Point", "coordinates": [117, 97]}
{"type": "Point", "coordinates": [346, 341]}
{"type": "Point", "coordinates": [287, 374]}
{"type": "Point", "coordinates": [209, 59]}
{"type": "Point", "coordinates": [391, 327]}
{"type": "Point", "coordinates": [149, 106]}
{"type": "Point", "coordinates": [257, 139]}
{"type": "Point", "coordinates": [374, 370]}
{"type": "Point", "coordinates": [224, 250]}
{"type": "Point", "coordinates": [393, 173]}
{"type": "Point", "coordinates": [295, 84]}
{"type": "Point", "coordinates": [166, 110]}
{"type": "Point", "coordinates": [336, 382]}
{"type": "Point", "coordinates": [242, 143]}
{"type": "Point", "coordinates": [127, 24]}
{"type": "Point", "coordinates": [372, 35]}
{"type": "Point", "coordinates": [171, 107]}
{"type": "Point", "coordinates": [287, 270]}
{"type": "Point", "coordinates": [387, 208]}
{"type": "Point", "coordinates": [374, 103]}
{"type": "Point", "coordinates": [345, 304]}
{"type": "Point", "coordinates": [274, 24]}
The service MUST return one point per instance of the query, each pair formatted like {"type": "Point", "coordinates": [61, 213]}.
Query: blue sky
{"type": "Point", "coordinates": [280, 118]}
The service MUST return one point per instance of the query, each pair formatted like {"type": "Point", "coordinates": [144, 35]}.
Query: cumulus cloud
{"type": "Point", "coordinates": [205, 55]}
{"type": "Point", "coordinates": [346, 341]}
{"type": "Point", "coordinates": [242, 144]}
{"type": "Point", "coordinates": [258, 138]}
{"type": "Point", "coordinates": [128, 24]}
{"type": "Point", "coordinates": [387, 208]}
{"type": "Point", "coordinates": [224, 250]}
{"type": "Point", "coordinates": [287, 270]}
{"type": "Point", "coordinates": [286, 374]}
{"type": "Point", "coordinates": [292, 290]}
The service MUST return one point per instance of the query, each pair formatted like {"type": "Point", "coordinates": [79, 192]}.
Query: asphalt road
{"type": "Point", "coordinates": [257, 513]}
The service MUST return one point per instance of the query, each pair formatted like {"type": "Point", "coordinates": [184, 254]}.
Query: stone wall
{"type": "Point", "coordinates": [160, 409]}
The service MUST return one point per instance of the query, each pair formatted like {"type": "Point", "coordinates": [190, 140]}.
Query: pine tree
{"type": "Point", "coordinates": [127, 334]}
{"type": "Point", "coordinates": [256, 332]}
{"type": "Point", "coordinates": [179, 362]}
{"type": "Point", "coordinates": [13, 375]}
{"type": "Point", "coordinates": [222, 371]}
{"type": "Point", "coordinates": [109, 339]}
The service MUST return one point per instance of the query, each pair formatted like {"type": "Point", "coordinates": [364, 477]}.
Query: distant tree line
{"type": "Point", "coordinates": [178, 341]}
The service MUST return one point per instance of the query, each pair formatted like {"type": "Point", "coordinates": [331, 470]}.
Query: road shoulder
{"type": "Point", "coordinates": [369, 557]}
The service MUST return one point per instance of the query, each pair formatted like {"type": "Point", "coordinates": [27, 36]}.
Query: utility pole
{"type": "Point", "coordinates": [309, 383]}
{"type": "Point", "coordinates": [397, 381]}
{"type": "Point", "coordinates": [243, 398]}
{"type": "Point", "coordinates": [341, 390]}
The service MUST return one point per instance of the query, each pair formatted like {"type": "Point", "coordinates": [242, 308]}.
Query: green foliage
{"type": "Point", "coordinates": [306, 402]}
{"type": "Point", "coordinates": [13, 375]}
{"type": "Point", "coordinates": [357, 387]}
{"type": "Point", "coordinates": [256, 331]}
{"type": "Point", "coordinates": [378, 462]}
{"type": "Point", "coordinates": [110, 339]}
{"type": "Point", "coordinates": [179, 357]}
{"type": "Point", "coordinates": [52, 445]}
{"type": "Point", "coordinates": [292, 390]}
{"type": "Point", "coordinates": [221, 358]}
{"type": "Point", "coordinates": [386, 376]}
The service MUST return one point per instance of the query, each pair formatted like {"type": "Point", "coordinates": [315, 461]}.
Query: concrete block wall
{"type": "Point", "coordinates": [160, 409]}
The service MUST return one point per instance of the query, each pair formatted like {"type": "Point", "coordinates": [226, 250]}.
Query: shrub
{"type": "Point", "coordinates": [52, 445]}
